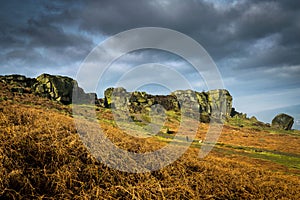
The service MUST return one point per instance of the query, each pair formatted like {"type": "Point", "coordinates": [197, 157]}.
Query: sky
{"type": "Point", "coordinates": [254, 44]}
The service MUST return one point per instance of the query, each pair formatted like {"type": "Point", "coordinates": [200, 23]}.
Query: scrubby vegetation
{"type": "Point", "coordinates": [42, 157]}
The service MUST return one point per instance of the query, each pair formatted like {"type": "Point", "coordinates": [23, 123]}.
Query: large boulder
{"type": "Point", "coordinates": [60, 88]}
{"type": "Point", "coordinates": [283, 121]}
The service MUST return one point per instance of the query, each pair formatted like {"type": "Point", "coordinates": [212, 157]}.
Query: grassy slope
{"type": "Point", "coordinates": [41, 156]}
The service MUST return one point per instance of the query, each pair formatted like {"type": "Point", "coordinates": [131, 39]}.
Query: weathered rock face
{"type": "Point", "coordinates": [283, 121]}
{"type": "Point", "coordinates": [63, 89]}
{"type": "Point", "coordinates": [219, 101]}
{"type": "Point", "coordinates": [58, 88]}
{"type": "Point", "coordinates": [54, 87]}
{"type": "Point", "coordinates": [137, 102]}
{"type": "Point", "coordinates": [215, 103]}
{"type": "Point", "coordinates": [18, 83]}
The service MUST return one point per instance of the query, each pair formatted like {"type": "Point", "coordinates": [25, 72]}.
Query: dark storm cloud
{"type": "Point", "coordinates": [47, 35]}
{"type": "Point", "coordinates": [227, 29]}
{"type": "Point", "coordinates": [31, 38]}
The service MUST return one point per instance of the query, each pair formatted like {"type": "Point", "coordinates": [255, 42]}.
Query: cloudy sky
{"type": "Point", "coordinates": [255, 44]}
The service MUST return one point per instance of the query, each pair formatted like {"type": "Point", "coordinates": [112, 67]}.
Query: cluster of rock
{"type": "Point", "coordinates": [63, 89]}
{"type": "Point", "coordinates": [214, 103]}
{"type": "Point", "coordinates": [18, 83]}
{"type": "Point", "coordinates": [58, 88]}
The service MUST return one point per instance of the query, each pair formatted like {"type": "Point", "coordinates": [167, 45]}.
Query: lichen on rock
{"type": "Point", "coordinates": [215, 104]}
{"type": "Point", "coordinates": [283, 121]}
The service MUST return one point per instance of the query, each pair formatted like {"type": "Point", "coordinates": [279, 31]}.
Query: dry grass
{"type": "Point", "coordinates": [261, 139]}
{"type": "Point", "coordinates": [42, 157]}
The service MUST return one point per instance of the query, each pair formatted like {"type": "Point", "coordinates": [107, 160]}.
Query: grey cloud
{"type": "Point", "coordinates": [225, 32]}
{"type": "Point", "coordinates": [46, 35]}
{"type": "Point", "coordinates": [31, 38]}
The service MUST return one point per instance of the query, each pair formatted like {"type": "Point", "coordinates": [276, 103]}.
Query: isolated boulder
{"type": "Point", "coordinates": [283, 121]}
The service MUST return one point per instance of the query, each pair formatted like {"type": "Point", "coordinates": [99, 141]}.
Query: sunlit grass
{"type": "Point", "coordinates": [43, 157]}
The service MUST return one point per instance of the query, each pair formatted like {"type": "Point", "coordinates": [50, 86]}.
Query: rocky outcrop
{"type": "Point", "coordinates": [283, 121]}
{"type": "Point", "coordinates": [54, 87]}
{"type": "Point", "coordinates": [58, 88]}
{"type": "Point", "coordinates": [212, 104]}
{"type": "Point", "coordinates": [236, 114]}
{"type": "Point", "coordinates": [206, 105]}
{"type": "Point", "coordinates": [137, 102]}
{"type": "Point", "coordinates": [18, 83]}
{"type": "Point", "coordinates": [219, 101]}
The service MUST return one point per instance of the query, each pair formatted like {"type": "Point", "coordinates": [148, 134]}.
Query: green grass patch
{"type": "Point", "coordinates": [286, 159]}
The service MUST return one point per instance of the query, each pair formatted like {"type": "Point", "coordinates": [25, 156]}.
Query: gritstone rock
{"type": "Point", "coordinates": [283, 121]}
